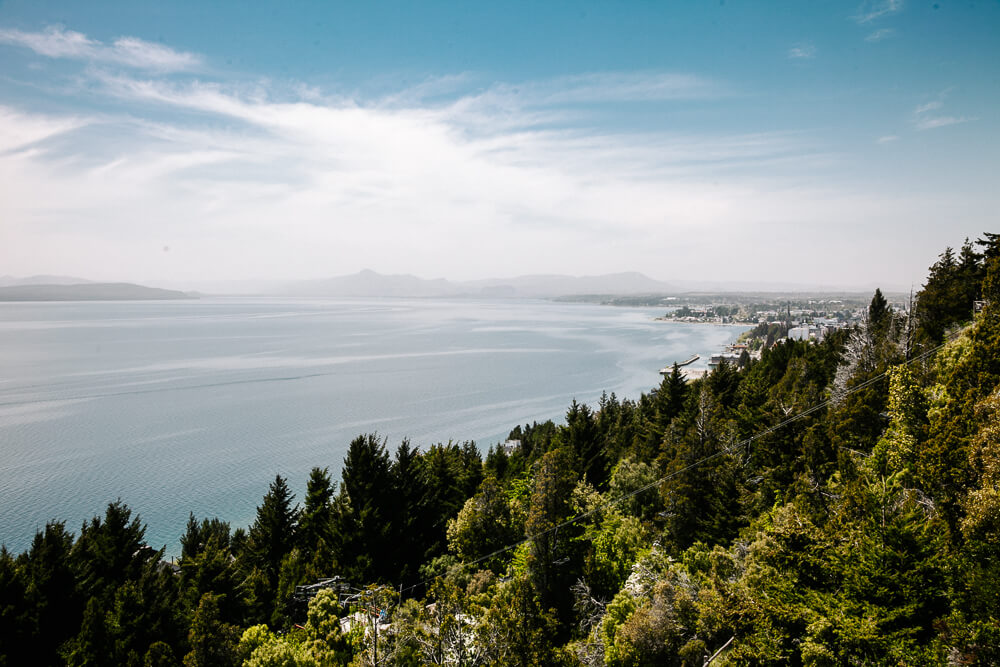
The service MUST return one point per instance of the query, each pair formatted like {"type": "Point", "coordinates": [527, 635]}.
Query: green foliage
{"type": "Point", "coordinates": [615, 545]}
{"type": "Point", "coordinates": [316, 538]}
{"type": "Point", "coordinates": [483, 525]}
{"type": "Point", "coordinates": [213, 642]}
{"type": "Point", "coordinates": [550, 544]}
{"type": "Point", "coordinates": [517, 628]}
{"type": "Point", "coordinates": [15, 614]}
{"type": "Point", "coordinates": [93, 646]}
{"type": "Point", "coordinates": [269, 540]}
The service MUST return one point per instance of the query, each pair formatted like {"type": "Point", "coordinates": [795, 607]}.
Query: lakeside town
{"type": "Point", "coordinates": [802, 318]}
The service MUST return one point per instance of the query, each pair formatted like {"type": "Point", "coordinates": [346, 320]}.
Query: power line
{"type": "Point", "coordinates": [743, 443]}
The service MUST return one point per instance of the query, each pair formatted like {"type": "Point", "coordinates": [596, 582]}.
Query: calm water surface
{"type": "Point", "coordinates": [195, 405]}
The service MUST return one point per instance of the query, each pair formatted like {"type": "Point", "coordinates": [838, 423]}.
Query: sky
{"type": "Point", "coordinates": [820, 143]}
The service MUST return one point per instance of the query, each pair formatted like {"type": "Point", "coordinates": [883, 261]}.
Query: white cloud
{"type": "Point", "coordinates": [56, 42]}
{"type": "Point", "coordinates": [802, 51]}
{"type": "Point", "coordinates": [932, 122]}
{"type": "Point", "coordinates": [887, 139]}
{"type": "Point", "coordinates": [308, 188]}
{"type": "Point", "coordinates": [872, 11]}
{"type": "Point", "coordinates": [880, 34]}
{"type": "Point", "coordinates": [297, 184]}
{"type": "Point", "coordinates": [19, 131]}
{"type": "Point", "coordinates": [923, 120]}
{"type": "Point", "coordinates": [929, 106]}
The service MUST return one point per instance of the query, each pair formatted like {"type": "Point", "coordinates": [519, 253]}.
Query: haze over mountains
{"type": "Point", "coordinates": [87, 292]}
{"type": "Point", "coordinates": [368, 283]}
{"type": "Point", "coordinates": [10, 281]}
{"type": "Point", "coordinates": [371, 283]}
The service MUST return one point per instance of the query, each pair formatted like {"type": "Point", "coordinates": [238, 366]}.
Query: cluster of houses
{"type": "Point", "coordinates": [816, 330]}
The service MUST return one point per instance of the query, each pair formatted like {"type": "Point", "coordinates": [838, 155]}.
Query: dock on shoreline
{"type": "Point", "coordinates": [666, 370]}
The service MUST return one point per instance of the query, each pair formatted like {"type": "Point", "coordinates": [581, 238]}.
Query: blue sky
{"type": "Point", "coordinates": [834, 143]}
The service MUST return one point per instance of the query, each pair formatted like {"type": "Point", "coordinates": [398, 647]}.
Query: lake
{"type": "Point", "coordinates": [180, 406]}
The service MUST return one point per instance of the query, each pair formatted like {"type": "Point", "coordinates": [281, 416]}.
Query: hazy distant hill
{"type": "Point", "coordinates": [557, 285]}
{"type": "Point", "coordinates": [8, 281]}
{"type": "Point", "coordinates": [370, 283]}
{"type": "Point", "coordinates": [88, 292]}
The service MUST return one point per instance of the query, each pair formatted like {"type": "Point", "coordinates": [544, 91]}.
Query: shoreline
{"type": "Point", "coordinates": [720, 324]}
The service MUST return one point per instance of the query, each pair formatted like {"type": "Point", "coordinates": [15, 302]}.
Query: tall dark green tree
{"type": "Point", "coordinates": [364, 528]}
{"type": "Point", "coordinates": [582, 436]}
{"type": "Point", "coordinates": [553, 557]}
{"type": "Point", "coordinates": [93, 646]}
{"type": "Point", "coordinates": [52, 591]}
{"type": "Point", "coordinates": [315, 530]}
{"type": "Point", "coordinates": [207, 567]}
{"type": "Point", "coordinates": [270, 538]}
{"type": "Point", "coordinates": [442, 476]}
{"type": "Point", "coordinates": [409, 490]}
{"type": "Point", "coordinates": [701, 492]}
{"type": "Point", "coordinates": [111, 551]}
{"type": "Point", "coordinates": [213, 642]}
{"type": "Point", "coordinates": [879, 315]}
{"type": "Point", "coordinates": [17, 640]}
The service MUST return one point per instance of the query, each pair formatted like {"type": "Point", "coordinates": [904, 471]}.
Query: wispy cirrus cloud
{"type": "Point", "coordinates": [872, 11]}
{"type": "Point", "coordinates": [263, 179]}
{"type": "Point", "coordinates": [19, 131]}
{"type": "Point", "coordinates": [928, 106]}
{"type": "Point", "coordinates": [880, 34]}
{"type": "Point", "coordinates": [57, 42]}
{"type": "Point", "coordinates": [887, 139]}
{"type": "Point", "coordinates": [925, 116]}
{"type": "Point", "coordinates": [802, 51]}
{"type": "Point", "coordinates": [930, 123]}
{"type": "Point", "coordinates": [305, 182]}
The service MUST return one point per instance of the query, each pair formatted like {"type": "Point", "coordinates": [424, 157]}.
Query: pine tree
{"type": "Point", "coordinates": [315, 530]}
{"type": "Point", "coordinates": [409, 490]}
{"type": "Point", "coordinates": [364, 526]}
{"type": "Point", "coordinates": [879, 315]}
{"type": "Point", "coordinates": [17, 639]}
{"type": "Point", "coordinates": [270, 538]}
{"type": "Point", "coordinates": [213, 642]}
{"type": "Point", "coordinates": [551, 549]}
{"type": "Point", "coordinates": [110, 552]}
{"type": "Point", "coordinates": [583, 438]}
{"type": "Point", "coordinates": [92, 647]}
{"type": "Point", "coordinates": [52, 591]}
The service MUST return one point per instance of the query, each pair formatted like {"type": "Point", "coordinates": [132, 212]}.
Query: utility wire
{"type": "Point", "coordinates": [705, 459]}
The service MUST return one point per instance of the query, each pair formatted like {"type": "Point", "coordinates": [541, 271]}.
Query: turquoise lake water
{"type": "Point", "coordinates": [195, 405]}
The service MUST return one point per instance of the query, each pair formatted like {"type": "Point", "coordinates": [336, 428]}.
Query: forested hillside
{"type": "Point", "coordinates": [833, 503]}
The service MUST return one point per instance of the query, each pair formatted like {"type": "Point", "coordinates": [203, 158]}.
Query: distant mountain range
{"type": "Point", "coordinates": [9, 281]}
{"type": "Point", "coordinates": [370, 283]}
{"type": "Point", "coordinates": [86, 292]}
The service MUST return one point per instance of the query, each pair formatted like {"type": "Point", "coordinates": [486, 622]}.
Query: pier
{"type": "Point", "coordinates": [666, 370]}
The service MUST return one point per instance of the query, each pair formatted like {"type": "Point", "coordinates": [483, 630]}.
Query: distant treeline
{"type": "Point", "coordinates": [832, 503]}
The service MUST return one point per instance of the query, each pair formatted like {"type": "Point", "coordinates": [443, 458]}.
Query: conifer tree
{"type": "Point", "coordinates": [364, 526]}
{"type": "Point", "coordinates": [92, 647]}
{"type": "Point", "coordinates": [551, 549]}
{"type": "Point", "coordinates": [110, 552]}
{"type": "Point", "coordinates": [879, 314]}
{"type": "Point", "coordinates": [212, 641]}
{"type": "Point", "coordinates": [270, 538]}
{"type": "Point", "coordinates": [583, 438]}
{"type": "Point", "coordinates": [52, 590]}
{"type": "Point", "coordinates": [315, 530]}
{"type": "Point", "coordinates": [19, 632]}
